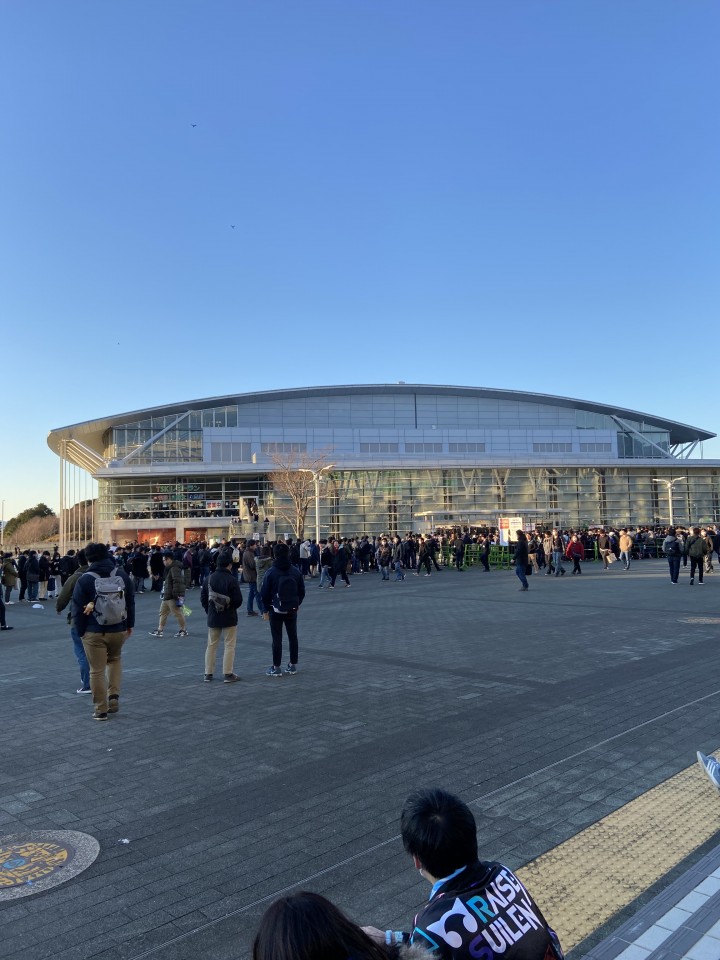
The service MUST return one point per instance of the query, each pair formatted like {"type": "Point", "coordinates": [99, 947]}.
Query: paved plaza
{"type": "Point", "coordinates": [547, 711]}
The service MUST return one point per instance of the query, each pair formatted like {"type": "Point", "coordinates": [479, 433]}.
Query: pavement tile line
{"type": "Point", "coordinates": [583, 882]}
{"type": "Point", "coordinates": [542, 882]}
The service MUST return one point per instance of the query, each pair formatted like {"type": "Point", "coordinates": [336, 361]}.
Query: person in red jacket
{"type": "Point", "coordinates": [576, 552]}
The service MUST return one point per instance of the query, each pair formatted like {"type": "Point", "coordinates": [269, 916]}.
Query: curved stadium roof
{"type": "Point", "coordinates": [90, 432]}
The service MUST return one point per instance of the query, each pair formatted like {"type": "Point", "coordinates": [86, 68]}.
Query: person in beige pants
{"type": "Point", "coordinates": [173, 596]}
{"type": "Point", "coordinates": [221, 599]}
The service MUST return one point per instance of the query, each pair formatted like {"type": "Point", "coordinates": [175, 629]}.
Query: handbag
{"type": "Point", "coordinates": [611, 558]}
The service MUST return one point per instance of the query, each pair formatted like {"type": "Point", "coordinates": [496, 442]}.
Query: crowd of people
{"type": "Point", "coordinates": [276, 575]}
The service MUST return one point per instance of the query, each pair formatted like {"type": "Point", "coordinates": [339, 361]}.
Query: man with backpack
{"type": "Point", "coordinates": [673, 548]}
{"type": "Point", "coordinates": [282, 592]}
{"type": "Point", "coordinates": [221, 599]}
{"type": "Point", "coordinates": [103, 614]}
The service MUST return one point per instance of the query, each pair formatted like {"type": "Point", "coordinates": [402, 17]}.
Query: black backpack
{"type": "Point", "coordinates": [286, 598]}
{"type": "Point", "coordinates": [672, 549]}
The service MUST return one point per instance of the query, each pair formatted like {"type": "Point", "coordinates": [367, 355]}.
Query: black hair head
{"type": "Point", "coordinates": [440, 830]}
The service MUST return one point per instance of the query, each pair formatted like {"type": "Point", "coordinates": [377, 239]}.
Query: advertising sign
{"type": "Point", "coordinates": [507, 527]}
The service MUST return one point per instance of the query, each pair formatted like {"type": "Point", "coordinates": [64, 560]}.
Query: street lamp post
{"type": "Point", "coordinates": [670, 484]}
{"type": "Point", "coordinates": [316, 474]}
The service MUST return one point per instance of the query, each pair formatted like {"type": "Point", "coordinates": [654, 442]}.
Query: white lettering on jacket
{"type": "Point", "coordinates": [451, 938]}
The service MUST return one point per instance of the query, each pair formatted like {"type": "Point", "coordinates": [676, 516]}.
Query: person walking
{"type": "Point", "coordinates": [104, 621]}
{"type": "Point", "coordinates": [397, 555]}
{"type": "Point", "coordinates": [384, 557]}
{"type": "Point", "coordinates": [626, 546]}
{"type": "Point", "coordinates": [575, 552]}
{"type": "Point", "coordinates": [283, 591]}
{"type": "Point", "coordinates": [173, 596]}
{"type": "Point", "coordinates": [221, 598]}
{"type": "Point", "coordinates": [558, 551]}
{"type": "Point", "coordinates": [327, 562]}
{"type": "Point", "coordinates": [696, 548]}
{"type": "Point", "coordinates": [340, 564]}
{"type": "Point", "coordinates": [423, 558]}
{"type": "Point", "coordinates": [533, 545]}
{"type": "Point", "coordinates": [61, 603]}
{"type": "Point", "coordinates": [249, 571]}
{"type": "Point", "coordinates": [672, 548]}
{"type": "Point", "coordinates": [604, 548]}
{"type": "Point", "coordinates": [520, 559]}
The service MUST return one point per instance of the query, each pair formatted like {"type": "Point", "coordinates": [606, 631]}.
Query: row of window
{"type": "Point", "coordinates": [242, 452]}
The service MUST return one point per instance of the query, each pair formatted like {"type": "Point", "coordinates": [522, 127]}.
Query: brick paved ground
{"type": "Point", "coordinates": [547, 709]}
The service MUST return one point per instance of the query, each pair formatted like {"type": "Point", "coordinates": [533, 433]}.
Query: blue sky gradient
{"type": "Point", "coordinates": [521, 195]}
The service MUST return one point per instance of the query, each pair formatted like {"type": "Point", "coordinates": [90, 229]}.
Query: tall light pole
{"type": "Point", "coordinates": [670, 484]}
{"type": "Point", "coordinates": [316, 474]}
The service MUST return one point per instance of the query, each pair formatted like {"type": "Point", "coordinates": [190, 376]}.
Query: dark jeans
{"type": "Point", "coordinates": [2, 613]}
{"type": "Point", "coordinates": [335, 574]}
{"type": "Point", "coordinates": [520, 574]}
{"type": "Point", "coordinates": [674, 564]}
{"type": "Point", "coordinates": [576, 565]}
{"type": "Point", "coordinates": [697, 562]}
{"type": "Point", "coordinates": [276, 626]}
{"type": "Point", "coordinates": [23, 588]}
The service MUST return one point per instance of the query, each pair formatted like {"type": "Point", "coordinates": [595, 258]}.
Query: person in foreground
{"type": "Point", "coordinates": [221, 599]}
{"type": "Point", "coordinates": [282, 592]}
{"type": "Point", "coordinates": [711, 767]}
{"type": "Point", "coordinates": [103, 614]}
{"type": "Point", "coordinates": [477, 909]}
{"type": "Point", "coordinates": [306, 926]}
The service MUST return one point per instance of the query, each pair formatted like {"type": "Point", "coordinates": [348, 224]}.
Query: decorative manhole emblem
{"type": "Point", "coordinates": [699, 620]}
{"type": "Point", "coordinates": [40, 859]}
{"type": "Point", "coordinates": [29, 862]}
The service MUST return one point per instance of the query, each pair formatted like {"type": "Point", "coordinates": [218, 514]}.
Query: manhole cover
{"type": "Point", "coordinates": [38, 860]}
{"type": "Point", "coordinates": [699, 620]}
{"type": "Point", "coordinates": [27, 862]}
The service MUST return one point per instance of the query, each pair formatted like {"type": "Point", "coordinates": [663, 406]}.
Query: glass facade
{"type": "Point", "coordinates": [404, 457]}
{"type": "Point", "coordinates": [389, 501]}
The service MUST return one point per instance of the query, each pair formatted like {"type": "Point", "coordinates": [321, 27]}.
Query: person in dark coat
{"type": "Point", "coordinates": [275, 587]}
{"type": "Point", "coordinates": [157, 569]}
{"type": "Point", "coordinates": [221, 598]}
{"type": "Point", "coordinates": [32, 575]}
{"type": "Point", "coordinates": [520, 558]}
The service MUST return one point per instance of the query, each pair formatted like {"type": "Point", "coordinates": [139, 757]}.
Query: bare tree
{"type": "Point", "coordinates": [293, 485]}
{"type": "Point", "coordinates": [36, 531]}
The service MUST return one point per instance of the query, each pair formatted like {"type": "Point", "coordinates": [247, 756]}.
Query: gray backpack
{"type": "Point", "coordinates": [110, 606]}
{"type": "Point", "coordinates": [220, 602]}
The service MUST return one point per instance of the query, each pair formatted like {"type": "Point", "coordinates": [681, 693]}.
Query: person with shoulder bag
{"type": "Point", "coordinates": [221, 598]}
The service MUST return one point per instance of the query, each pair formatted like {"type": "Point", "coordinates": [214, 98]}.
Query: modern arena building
{"type": "Point", "coordinates": [395, 457]}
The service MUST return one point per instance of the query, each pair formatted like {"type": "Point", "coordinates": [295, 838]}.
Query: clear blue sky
{"type": "Point", "coordinates": [487, 192]}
